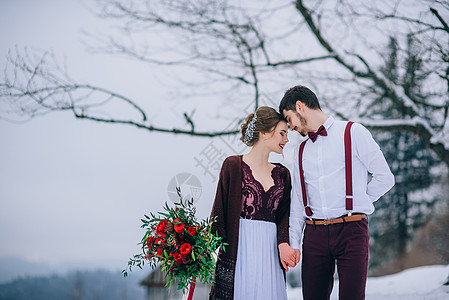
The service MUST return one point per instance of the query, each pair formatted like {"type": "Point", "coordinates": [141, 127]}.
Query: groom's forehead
{"type": "Point", "coordinates": [286, 113]}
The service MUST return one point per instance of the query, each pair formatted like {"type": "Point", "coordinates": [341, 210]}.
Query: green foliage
{"type": "Point", "coordinates": [179, 243]}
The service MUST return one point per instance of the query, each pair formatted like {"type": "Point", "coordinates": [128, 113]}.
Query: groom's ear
{"type": "Point", "coordinates": [300, 106]}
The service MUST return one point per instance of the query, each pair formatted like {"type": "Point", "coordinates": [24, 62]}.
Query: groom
{"type": "Point", "coordinates": [332, 196]}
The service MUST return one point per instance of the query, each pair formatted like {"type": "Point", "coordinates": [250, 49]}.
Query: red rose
{"type": "Point", "coordinates": [185, 249]}
{"type": "Point", "coordinates": [150, 242]}
{"type": "Point", "coordinates": [191, 230]}
{"type": "Point", "coordinates": [179, 226]}
{"type": "Point", "coordinates": [159, 252]}
{"type": "Point", "coordinates": [160, 227]}
{"type": "Point", "coordinates": [177, 256]}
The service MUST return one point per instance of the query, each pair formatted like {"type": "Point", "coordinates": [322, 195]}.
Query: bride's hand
{"type": "Point", "coordinates": [289, 256]}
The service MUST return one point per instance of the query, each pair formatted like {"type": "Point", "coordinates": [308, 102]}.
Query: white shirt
{"type": "Point", "coordinates": [325, 179]}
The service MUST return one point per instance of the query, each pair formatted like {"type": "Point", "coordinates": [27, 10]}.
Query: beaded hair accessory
{"type": "Point", "coordinates": [249, 133]}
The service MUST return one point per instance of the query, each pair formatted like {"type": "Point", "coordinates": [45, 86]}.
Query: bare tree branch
{"type": "Point", "coordinates": [401, 95]}
{"type": "Point", "coordinates": [234, 47]}
{"type": "Point", "coordinates": [445, 26]}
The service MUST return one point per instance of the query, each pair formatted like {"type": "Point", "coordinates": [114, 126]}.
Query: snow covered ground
{"type": "Point", "coordinates": [422, 283]}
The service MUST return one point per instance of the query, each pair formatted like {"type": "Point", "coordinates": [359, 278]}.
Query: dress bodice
{"type": "Point", "coordinates": [258, 204]}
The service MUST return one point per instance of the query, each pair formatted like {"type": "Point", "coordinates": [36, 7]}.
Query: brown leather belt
{"type": "Point", "coordinates": [337, 220]}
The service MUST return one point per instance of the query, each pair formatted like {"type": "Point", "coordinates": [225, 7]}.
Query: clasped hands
{"type": "Point", "coordinates": [288, 255]}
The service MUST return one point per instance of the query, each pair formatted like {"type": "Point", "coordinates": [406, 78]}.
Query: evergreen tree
{"type": "Point", "coordinates": [397, 216]}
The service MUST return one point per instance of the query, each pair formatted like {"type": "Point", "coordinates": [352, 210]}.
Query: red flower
{"type": "Point", "coordinates": [191, 230]}
{"type": "Point", "coordinates": [160, 227]}
{"type": "Point", "coordinates": [168, 227]}
{"type": "Point", "coordinates": [185, 249]}
{"type": "Point", "coordinates": [179, 227]}
{"type": "Point", "coordinates": [161, 242]}
{"type": "Point", "coordinates": [150, 242]}
{"type": "Point", "coordinates": [177, 256]}
{"type": "Point", "coordinates": [159, 252]}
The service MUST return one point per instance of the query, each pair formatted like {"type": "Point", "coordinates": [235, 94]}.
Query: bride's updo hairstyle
{"type": "Point", "coordinates": [263, 120]}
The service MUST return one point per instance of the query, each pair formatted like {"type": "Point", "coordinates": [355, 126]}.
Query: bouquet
{"type": "Point", "coordinates": [180, 244]}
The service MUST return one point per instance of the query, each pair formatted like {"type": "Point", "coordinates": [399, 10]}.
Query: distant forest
{"type": "Point", "coordinates": [77, 285]}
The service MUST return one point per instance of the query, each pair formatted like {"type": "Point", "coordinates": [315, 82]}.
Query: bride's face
{"type": "Point", "coordinates": [276, 139]}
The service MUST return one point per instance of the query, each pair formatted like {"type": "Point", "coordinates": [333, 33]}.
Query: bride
{"type": "Point", "coordinates": [251, 208]}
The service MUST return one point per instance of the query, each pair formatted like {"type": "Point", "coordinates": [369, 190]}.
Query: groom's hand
{"type": "Point", "coordinates": [297, 255]}
{"type": "Point", "coordinates": [288, 256]}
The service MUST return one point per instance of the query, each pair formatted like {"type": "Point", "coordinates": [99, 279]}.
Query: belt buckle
{"type": "Point", "coordinates": [325, 222]}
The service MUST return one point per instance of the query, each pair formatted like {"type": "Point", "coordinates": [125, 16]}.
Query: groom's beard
{"type": "Point", "coordinates": [302, 131]}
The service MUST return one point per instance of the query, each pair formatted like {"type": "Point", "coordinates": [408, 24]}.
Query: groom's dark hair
{"type": "Point", "coordinates": [298, 93]}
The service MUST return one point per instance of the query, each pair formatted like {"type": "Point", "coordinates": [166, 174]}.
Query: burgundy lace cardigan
{"type": "Point", "coordinates": [226, 209]}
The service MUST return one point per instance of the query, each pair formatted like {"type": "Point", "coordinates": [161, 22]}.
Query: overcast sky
{"type": "Point", "coordinates": [72, 192]}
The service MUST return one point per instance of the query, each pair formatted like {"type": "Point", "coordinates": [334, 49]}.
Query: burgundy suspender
{"type": "Point", "coordinates": [348, 168]}
{"type": "Point", "coordinates": [348, 171]}
{"type": "Point", "coordinates": [303, 183]}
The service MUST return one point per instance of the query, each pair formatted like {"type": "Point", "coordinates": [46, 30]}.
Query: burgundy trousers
{"type": "Point", "coordinates": [324, 246]}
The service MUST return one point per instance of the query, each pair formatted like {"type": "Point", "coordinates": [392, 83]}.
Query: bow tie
{"type": "Point", "coordinates": [321, 131]}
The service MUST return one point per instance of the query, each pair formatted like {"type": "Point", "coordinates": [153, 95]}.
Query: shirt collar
{"type": "Point", "coordinates": [329, 122]}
